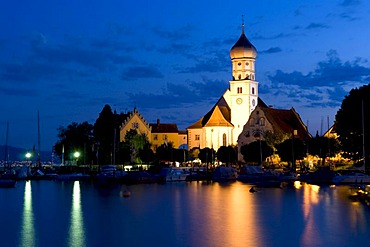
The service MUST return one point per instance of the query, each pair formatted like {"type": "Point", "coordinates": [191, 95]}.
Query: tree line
{"type": "Point", "coordinates": [99, 142]}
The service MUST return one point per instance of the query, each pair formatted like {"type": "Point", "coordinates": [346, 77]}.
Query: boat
{"type": "Point", "coordinates": [352, 178]}
{"type": "Point", "coordinates": [223, 173]}
{"type": "Point", "coordinates": [7, 183]}
{"type": "Point", "coordinates": [254, 175]}
{"type": "Point", "coordinates": [73, 177]}
{"type": "Point", "coordinates": [173, 174]}
{"type": "Point", "coordinates": [321, 176]}
{"type": "Point", "coordinates": [110, 174]}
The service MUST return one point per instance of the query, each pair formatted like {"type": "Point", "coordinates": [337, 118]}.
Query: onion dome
{"type": "Point", "coordinates": [243, 48]}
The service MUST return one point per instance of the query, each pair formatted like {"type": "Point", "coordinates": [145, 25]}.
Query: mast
{"type": "Point", "coordinates": [6, 153]}
{"type": "Point", "coordinates": [38, 140]}
{"type": "Point", "coordinates": [363, 133]}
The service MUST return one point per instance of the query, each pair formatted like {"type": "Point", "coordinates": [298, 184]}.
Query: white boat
{"type": "Point", "coordinates": [172, 174]}
{"type": "Point", "coordinates": [352, 178]}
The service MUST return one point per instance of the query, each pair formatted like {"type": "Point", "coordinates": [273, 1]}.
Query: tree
{"type": "Point", "coordinates": [75, 137]}
{"type": "Point", "coordinates": [323, 147]}
{"type": "Point", "coordinates": [135, 148]}
{"type": "Point", "coordinates": [207, 155]}
{"type": "Point", "coordinates": [354, 111]}
{"type": "Point", "coordinates": [291, 150]}
{"type": "Point", "coordinates": [274, 138]}
{"type": "Point", "coordinates": [256, 152]}
{"type": "Point", "coordinates": [227, 154]}
{"type": "Point", "coordinates": [165, 152]}
{"type": "Point", "coordinates": [104, 133]}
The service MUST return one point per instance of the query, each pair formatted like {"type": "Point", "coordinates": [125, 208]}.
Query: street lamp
{"type": "Point", "coordinates": [28, 157]}
{"type": "Point", "coordinates": [76, 155]}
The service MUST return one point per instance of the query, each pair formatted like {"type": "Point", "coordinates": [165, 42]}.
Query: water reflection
{"type": "Point", "coordinates": [28, 229]}
{"type": "Point", "coordinates": [76, 230]}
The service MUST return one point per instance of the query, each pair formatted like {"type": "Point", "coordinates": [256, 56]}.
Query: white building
{"type": "Point", "coordinates": [222, 125]}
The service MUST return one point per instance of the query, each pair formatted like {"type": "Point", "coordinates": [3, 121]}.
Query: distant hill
{"type": "Point", "coordinates": [18, 154]}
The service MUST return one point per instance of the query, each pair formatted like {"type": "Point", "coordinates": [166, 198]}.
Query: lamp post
{"type": "Point", "coordinates": [28, 157]}
{"type": "Point", "coordinates": [76, 155]}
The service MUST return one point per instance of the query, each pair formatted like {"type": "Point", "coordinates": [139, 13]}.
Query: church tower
{"type": "Point", "coordinates": [243, 95]}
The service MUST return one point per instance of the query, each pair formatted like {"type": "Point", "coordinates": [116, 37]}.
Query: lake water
{"type": "Point", "coordinates": [51, 213]}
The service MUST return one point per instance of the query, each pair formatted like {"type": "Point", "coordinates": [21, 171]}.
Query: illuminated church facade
{"type": "Point", "coordinates": [222, 125]}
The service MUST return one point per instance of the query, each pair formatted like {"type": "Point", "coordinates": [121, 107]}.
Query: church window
{"type": "Point", "coordinates": [155, 137]}
{"type": "Point", "coordinates": [239, 90]}
{"type": "Point", "coordinates": [247, 63]}
{"type": "Point", "coordinates": [239, 63]}
{"type": "Point", "coordinates": [252, 90]}
{"type": "Point", "coordinates": [197, 137]}
{"type": "Point", "coordinates": [240, 77]}
{"type": "Point", "coordinates": [224, 139]}
{"type": "Point", "coordinates": [247, 76]}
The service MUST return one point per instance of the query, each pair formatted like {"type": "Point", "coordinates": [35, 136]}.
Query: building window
{"type": "Point", "coordinates": [251, 122]}
{"type": "Point", "coordinates": [247, 134]}
{"type": "Point", "coordinates": [252, 90]}
{"type": "Point", "coordinates": [135, 125]}
{"type": "Point", "coordinates": [164, 137]}
{"type": "Point", "coordinates": [197, 137]}
{"type": "Point", "coordinates": [239, 90]}
{"type": "Point", "coordinates": [224, 139]}
{"type": "Point", "coordinates": [262, 121]}
{"type": "Point", "coordinates": [240, 77]}
{"type": "Point", "coordinates": [155, 137]}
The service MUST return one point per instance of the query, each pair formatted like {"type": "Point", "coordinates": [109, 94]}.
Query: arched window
{"type": "Point", "coordinates": [251, 121]}
{"type": "Point", "coordinates": [262, 121]}
{"type": "Point", "coordinates": [224, 140]}
{"type": "Point", "coordinates": [252, 90]}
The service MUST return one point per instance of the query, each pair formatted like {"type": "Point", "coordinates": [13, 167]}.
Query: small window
{"type": "Point", "coordinates": [164, 137]}
{"type": "Point", "coordinates": [239, 63]}
{"type": "Point", "coordinates": [252, 90]}
{"type": "Point", "coordinates": [155, 137]}
{"type": "Point", "coordinates": [247, 63]}
{"type": "Point", "coordinates": [135, 125]}
{"type": "Point", "coordinates": [197, 137]}
{"type": "Point", "coordinates": [262, 121]}
{"type": "Point", "coordinates": [239, 90]}
{"type": "Point", "coordinates": [251, 122]}
{"type": "Point", "coordinates": [224, 139]}
{"type": "Point", "coordinates": [240, 77]}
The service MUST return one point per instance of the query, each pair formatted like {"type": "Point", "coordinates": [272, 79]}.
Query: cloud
{"type": "Point", "coordinates": [316, 26]}
{"type": "Point", "coordinates": [140, 72]}
{"type": "Point", "coordinates": [179, 95]}
{"type": "Point", "coordinates": [326, 84]}
{"type": "Point", "coordinates": [347, 3]}
{"type": "Point", "coordinates": [271, 50]}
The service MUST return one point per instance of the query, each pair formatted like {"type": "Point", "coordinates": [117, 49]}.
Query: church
{"type": "Point", "coordinates": [222, 125]}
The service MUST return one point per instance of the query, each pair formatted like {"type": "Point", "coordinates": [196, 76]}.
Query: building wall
{"type": "Point", "coordinates": [159, 139]}
{"type": "Point", "coordinates": [138, 123]}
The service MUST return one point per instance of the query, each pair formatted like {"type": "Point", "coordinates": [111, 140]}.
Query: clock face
{"type": "Point", "coordinates": [239, 101]}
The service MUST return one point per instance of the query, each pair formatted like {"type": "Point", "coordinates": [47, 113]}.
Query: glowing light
{"type": "Point", "coordinates": [76, 230]}
{"type": "Point", "coordinates": [76, 155]}
{"type": "Point", "coordinates": [28, 155]}
{"type": "Point", "coordinates": [28, 229]}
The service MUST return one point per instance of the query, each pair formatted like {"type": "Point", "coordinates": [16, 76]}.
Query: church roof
{"type": "Point", "coordinates": [219, 115]}
{"type": "Point", "coordinates": [243, 48]}
{"type": "Point", "coordinates": [286, 121]}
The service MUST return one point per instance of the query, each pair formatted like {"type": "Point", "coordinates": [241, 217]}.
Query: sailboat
{"type": "Point", "coordinates": [6, 180]}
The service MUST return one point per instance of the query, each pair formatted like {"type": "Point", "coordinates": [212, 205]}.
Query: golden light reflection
{"type": "Point", "coordinates": [28, 229]}
{"type": "Point", "coordinates": [76, 230]}
{"type": "Point", "coordinates": [310, 235]}
{"type": "Point", "coordinates": [297, 185]}
{"type": "Point", "coordinates": [230, 215]}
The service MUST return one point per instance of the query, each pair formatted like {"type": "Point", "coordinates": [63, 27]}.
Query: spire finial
{"type": "Point", "coordinates": [242, 24]}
